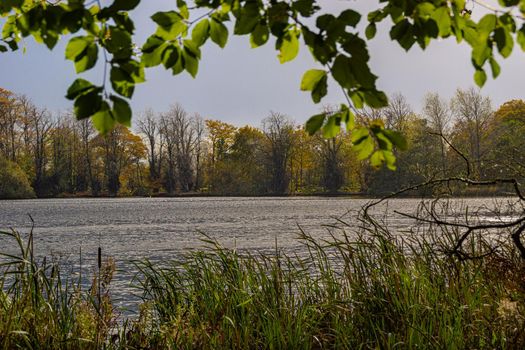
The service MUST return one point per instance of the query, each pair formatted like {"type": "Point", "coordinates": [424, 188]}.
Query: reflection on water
{"type": "Point", "coordinates": [163, 229]}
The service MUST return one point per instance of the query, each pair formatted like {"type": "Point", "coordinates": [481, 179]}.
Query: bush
{"type": "Point", "coordinates": [14, 183]}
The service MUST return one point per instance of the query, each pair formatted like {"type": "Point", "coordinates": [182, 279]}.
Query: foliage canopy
{"type": "Point", "coordinates": [14, 183]}
{"type": "Point", "coordinates": [337, 46]}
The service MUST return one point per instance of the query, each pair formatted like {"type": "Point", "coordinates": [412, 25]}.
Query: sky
{"type": "Point", "coordinates": [241, 85]}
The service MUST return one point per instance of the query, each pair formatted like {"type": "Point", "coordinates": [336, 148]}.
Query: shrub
{"type": "Point", "coordinates": [14, 183]}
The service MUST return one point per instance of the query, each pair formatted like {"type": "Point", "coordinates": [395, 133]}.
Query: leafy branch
{"type": "Point", "coordinates": [336, 45]}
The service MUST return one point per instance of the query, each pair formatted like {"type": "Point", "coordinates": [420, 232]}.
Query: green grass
{"type": "Point", "coordinates": [364, 289]}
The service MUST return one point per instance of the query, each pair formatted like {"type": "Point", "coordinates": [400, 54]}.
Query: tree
{"type": "Point", "coordinates": [86, 178]}
{"type": "Point", "coordinates": [119, 149]}
{"type": "Point", "coordinates": [473, 113]}
{"type": "Point", "coordinates": [8, 124]}
{"type": "Point", "coordinates": [303, 162]}
{"type": "Point", "coordinates": [180, 137]}
{"type": "Point", "coordinates": [149, 127]}
{"type": "Point", "coordinates": [397, 114]}
{"type": "Point", "coordinates": [329, 152]}
{"type": "Point", "coordinates": [221, 136]}
{"type": "Point", "coordinates": [200, 130]}
{"type": "Point", "coordinates": [418, 164]}
{"type": "Point", "coordinates": [334, 40]}
{"type": "Point", "coordinates": [278, 130]}
{"type": "Point", "coordinates": [437, 112]}
{"type": "Point", "coordinates": [247, 158]}
{"type": "Point", "coordinates": [505, 141]}
{"type": "Point", "coordinates": [333, 175]}
{"type": "Point", "coordinates": [63, 141]}
{"type": "Point", "coordinates": [39, 124]}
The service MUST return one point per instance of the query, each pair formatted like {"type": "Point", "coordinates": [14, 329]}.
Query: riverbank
{"type": "Point", "coordinates": [369, 290]}
{"type": "Point", "coordinates": [358, 195]}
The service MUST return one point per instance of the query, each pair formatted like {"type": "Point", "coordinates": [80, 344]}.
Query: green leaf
{"type": "Point", "coordinates": [79, 87]}
{"type": "Point", "coordinates": [376, 99]}
{"type": "Point", "coordinates": [247, 19]}
{"type": "Point", "coordinates": [363, 143]}
{"type": "Point", "coordinates": [170, 23]}
{"type": "Point", "coordinates": [76, 46]}
{"type": "Point", "coordinates": [520, 38]}
{"type": "Point", "coordinates": [288, 46]}
{"type": "Point", "coordinates": [396, 138]}
{"type": "Point", "coordinates": [504, 41]}
{"type": "Point", "coordinates": [370, 31]}
{"type": "Point", "coordinates": [183, 8]}
{"type": "Point", "coordinates": [424, 10]}
{"type": "Point", "coordinates": [357, 98]}
{"type": "Point", "coordinates": [121, 111]}
{"type": "Point", "coordinates": [480, 77]}
{"type": "Point", "coordinates": [494, 66]}
{"type": "Point", "coordinates": [360, 71]}
{"type": "Point", "coordinates": [320, 90]}
{"type": "Point", "coordinates": [201, 32]}
{"type": "Point", "coordinates": [403, 33]}
{"type": "Point", "coordinates": [347, 117]}
{"type": "Point", "coordinates": [122, 20]}
{"type": "Point", "coordinates": [350, 17]}
{"type": "Point", "coordinates": [390, 160]}
{"type": "Point", "coordinates": [191, 63]}
{"type": "Point", "coordinates": [259, 35]}
{"type": "Point", "coordinates": [311, 78]}
{"type": "Point", "coordinates": [87, 59]}
{"type": "Point", "coordinates": [135, 70]}
{"type": "Point", "coordinates": [509, 3]}
{"type": "Point", "coordinates": [332, 127]}
{"type": "Point", "coordinates": [384, 143]}
{"type": "Point", "coordinates": [87, 104]}
{"type": "Point", "coordinates": [377, 15]}
{"type": "Point", "coordinates": [179, 66]}
{"type": "Point", "coordinates": [166, 19]}
{"type": "Point", "coordinates": [124, 5]}
{"type": "Point", "coordinates": [103, 120]}
{"type": "Point", "coordinates": [485, 26]}
{"type": "Point", "coordinates": [442, 17]}
{"type": "Point", "coordinates": [359, 134]}
{"type": "Point", "coordinates": [377, 159]}
{"type": "Point", "coordinates": [342, 72]}
{"type": "Point", "coordinates": [306, 8]}
{"type": "Point", "coordinates": [192, 48]}
{"type": "Point", "coordinates": [119, 43]}
{"type": "Point", "coordinates": [507, 20]}
{"type": "Point", "coordinates": [218, 33]}
{"type": "Point", "coordinates": [122, 82]}
{"type": "Point", "coordinates": [480, 53]}
{"type": "Point", "coordinates": [152, 51]}
{"type": "Point", "coordinates": [324, 21]}
{"type": "Point", "coordinates": [171, 56]}
{"type": "Point", "coordinates": [152, 43]}
{"type": "Point", "coordinates": [315, 123]}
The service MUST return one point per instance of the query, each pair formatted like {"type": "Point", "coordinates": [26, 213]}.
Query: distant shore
{"type": "Point", "coordinates": [356, 195]}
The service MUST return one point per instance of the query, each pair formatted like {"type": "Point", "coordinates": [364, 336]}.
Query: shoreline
{"type": "Point", "coordinates": [349, 195]}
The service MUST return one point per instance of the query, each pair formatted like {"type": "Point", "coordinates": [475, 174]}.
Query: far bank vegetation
{"type": "Point", "coordinates": [176, 152]}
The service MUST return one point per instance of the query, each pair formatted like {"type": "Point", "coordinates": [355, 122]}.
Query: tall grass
{"type": "Point", "coordinates": [364, 289]}
{"type": "Point", "coordinates": [40, 309]}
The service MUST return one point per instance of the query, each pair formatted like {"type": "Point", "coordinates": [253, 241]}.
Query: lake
{"type": "Point", "coordinates": [164, 228]}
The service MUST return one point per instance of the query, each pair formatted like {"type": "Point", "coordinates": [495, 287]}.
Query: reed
{"type": "Point", "coordinates": [363, 288]}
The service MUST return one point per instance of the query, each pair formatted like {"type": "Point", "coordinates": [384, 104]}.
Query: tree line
{"type": "Point", "coordinates": [175, 152]}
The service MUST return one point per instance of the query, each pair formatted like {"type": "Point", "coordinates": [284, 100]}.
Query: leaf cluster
{"type": "Point", "coordinates": [334, 41]}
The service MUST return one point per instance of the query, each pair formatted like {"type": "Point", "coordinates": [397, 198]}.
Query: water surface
{"type": "Point", "coordinates": [164, 228]}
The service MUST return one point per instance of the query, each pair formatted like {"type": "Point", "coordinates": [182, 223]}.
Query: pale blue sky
{"type": "Point", "coordinates": [241, 85]}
